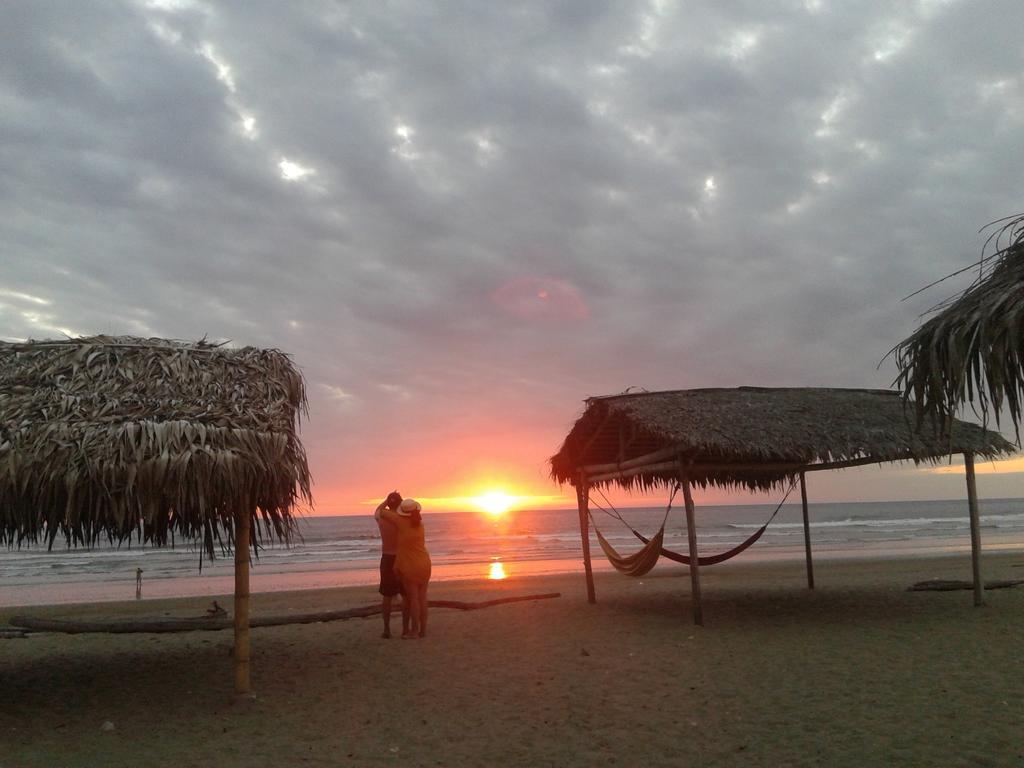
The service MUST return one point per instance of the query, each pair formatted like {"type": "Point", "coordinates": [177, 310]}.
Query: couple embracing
{"type": "Point", "coordinates": [404, 563]}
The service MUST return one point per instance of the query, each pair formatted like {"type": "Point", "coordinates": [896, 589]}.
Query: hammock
{"type": "Point", "coordinates": [642, 561]}
{"type": "Point", "coordinates": [711, 559]}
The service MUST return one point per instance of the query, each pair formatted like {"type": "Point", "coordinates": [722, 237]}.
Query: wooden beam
{"type": "Point", "coordinates": [632, 435]}
{"type": "Point", "coordinates": [664, 466]}
{"type": "Point", "coordinates": [807, 531]}
{"type": "Point", "coordinates": [607, 472]}
{"type": "Point", "coordinates": [972, 510]}
{"type": "Point", "coordinates": [857, 462]}
{"type": "Point", "coordinates": [594, 435]}
{"type": "Point", "coordinates": [582, 501]}
{"type": "Point", "coordinates": [637, 461]}
{"type": "Point", "coordinates": [668, 466]}
{"type": "Point", "coordinates": [691, 534]}
{"type": "Point", "coordinates": [241, 649]}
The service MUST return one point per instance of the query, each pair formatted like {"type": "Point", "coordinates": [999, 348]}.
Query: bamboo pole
{"type": "Point", "coordinates": [807, 531]}
{"type": "Point", "coordinates": [663, 466]}
{"type": "Point", "coordinates": [766, 467]}
{"type": "Point", "coordinates": [972, 509]}
{"type": "Point", "coordinates": [593, 437]}
{"type": "Point", "coordinates": [582, 501]}
{"type": "Point", "coordinates": [241, 650]}
{"type": "Point", "coordinates": [637, 461]}
{"type": "Point", "coordinates": [631, 468]}
{"type": "Point", "coordinates": [830, 465]}
{"type": "Point", "coordinates": [691, 533]}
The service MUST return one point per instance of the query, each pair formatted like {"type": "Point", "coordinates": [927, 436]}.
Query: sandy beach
{"type": "Point", "coordinates": [858, 672]}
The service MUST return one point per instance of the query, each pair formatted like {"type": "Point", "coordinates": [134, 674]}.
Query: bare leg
{"type": "Point", "coordinates": [385, 611]}
{"type": "Point", "coordinates": [405, 615]}
{"type": "Point", "coordinates": [424, 608]}
{"type": "Point", "coordinates": [412, 594]}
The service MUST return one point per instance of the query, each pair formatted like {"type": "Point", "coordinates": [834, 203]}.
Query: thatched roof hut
{"type": "Point", "coordinates": [122, 438]}
{"type": "Point", "coordinates": [972, 349]}
{"type": "Point", "coordinates": [750, 437]}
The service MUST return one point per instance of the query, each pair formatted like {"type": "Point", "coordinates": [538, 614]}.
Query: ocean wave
{"type": "Point", "coordinates": [907, 522]}
{"type": "Point", "coordinates": [325, 542]}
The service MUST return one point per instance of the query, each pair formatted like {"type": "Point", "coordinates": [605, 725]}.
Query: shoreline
{"type": "Point", "coordinates": [337, 552]}
{"type": "Point", "coordinates": [218, 581]}
{"type": "Point", "coordinates": [889, 574]}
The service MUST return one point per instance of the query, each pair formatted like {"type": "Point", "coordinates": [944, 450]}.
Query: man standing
{"type": "Point", "coordinates": [390, 585]}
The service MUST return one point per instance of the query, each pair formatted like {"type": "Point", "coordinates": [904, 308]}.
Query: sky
{"type": "Point", "coordinates": [461, 219]}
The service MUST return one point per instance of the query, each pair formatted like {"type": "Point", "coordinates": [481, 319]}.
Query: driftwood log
{"type": "Point", "coordinates": [209, 624]}
{"type": "Point", "coordinates": [951, 585]}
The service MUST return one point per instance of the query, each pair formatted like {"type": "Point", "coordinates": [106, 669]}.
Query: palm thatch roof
{"type": "Point", "coordinates": [122, 438]}
{"type": "Point", "coordinates": [971, 350]}
{"type": "Point", "coordinates": [750, 437]}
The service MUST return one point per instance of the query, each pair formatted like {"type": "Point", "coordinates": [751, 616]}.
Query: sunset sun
{"type": "Point", "coordinates": [494, 503]}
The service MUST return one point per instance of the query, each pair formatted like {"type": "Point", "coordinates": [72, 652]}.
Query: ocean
{"type": "Point", "coordinates": [344, 551]}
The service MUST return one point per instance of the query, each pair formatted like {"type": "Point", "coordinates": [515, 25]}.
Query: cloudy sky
{"type": "Point", "coordinates": [462, 218]}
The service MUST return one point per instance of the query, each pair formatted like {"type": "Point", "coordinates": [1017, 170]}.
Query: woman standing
{"type": "Point", "coordinates": [412, 563]}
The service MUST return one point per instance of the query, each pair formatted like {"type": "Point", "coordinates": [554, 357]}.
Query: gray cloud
{"type": "Point", "coordinates": [504, 209]}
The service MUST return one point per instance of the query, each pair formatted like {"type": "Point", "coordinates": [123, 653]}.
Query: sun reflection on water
{"type": "Point", "coordinates": [497, 571]}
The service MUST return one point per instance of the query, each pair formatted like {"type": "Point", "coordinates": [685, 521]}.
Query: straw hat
{"type": "Point", "coordinates": [408, 506]}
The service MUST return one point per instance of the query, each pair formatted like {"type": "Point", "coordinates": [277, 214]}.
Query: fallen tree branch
{"type": "Point", "coordinates": [203, 623]}
{"type": "Point", "coordinates": [951, 585]}
{"type": "Point", "coordinates": [458, 604]}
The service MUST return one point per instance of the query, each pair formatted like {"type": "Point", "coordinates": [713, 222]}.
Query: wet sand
{"type": "Point", "coordinates": [857, 672]}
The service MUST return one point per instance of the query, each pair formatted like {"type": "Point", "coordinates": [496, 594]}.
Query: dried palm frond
{"type": "Point", "coordinates": [970, 351]}
{"type": "Point", "coordinates": [123, 438]}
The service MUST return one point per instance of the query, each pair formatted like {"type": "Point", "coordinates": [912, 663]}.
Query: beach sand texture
{"type": "Point", "coordinates": [859, 672]}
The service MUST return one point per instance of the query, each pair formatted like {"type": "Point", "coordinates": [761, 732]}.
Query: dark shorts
{"type": "Point", "coordinates": [390, 584]}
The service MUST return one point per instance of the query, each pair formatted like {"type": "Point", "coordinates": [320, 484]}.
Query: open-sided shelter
{"type": "Point", "coordinates": [122, 438]}
{"type": "Point", "coordinates": [755, 438]}
{"type": "Point", "coordinates": [972, 349]}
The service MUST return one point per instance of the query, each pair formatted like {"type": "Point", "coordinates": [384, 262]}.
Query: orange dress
{"type": "Point", "coordinates": [412, 561]}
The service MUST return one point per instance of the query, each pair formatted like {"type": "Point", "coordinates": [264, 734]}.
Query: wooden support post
{"type": "Point", "coordinates": [583, 502]}
{"type": "Point", "coordinates": [691, 533]}
{"type": "Point", "coordinates": [972, 509]}
{"type": "Point", "coordinates": [807, 532]}
{"type": "Point", "coordinates": [241, 650]}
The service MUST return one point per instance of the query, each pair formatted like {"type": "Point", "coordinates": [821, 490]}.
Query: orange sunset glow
{"type": "Point", "coordinates": [494, 503]}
